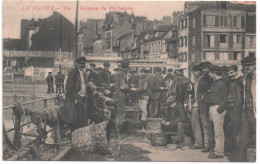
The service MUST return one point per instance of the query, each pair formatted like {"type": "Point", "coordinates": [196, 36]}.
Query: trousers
{"type": "Point", "coordinates": [196, 127]}
{"type": "Point", "coordinates": [218, 121]}
{"type": "Point", "coordinates": [142, 104]}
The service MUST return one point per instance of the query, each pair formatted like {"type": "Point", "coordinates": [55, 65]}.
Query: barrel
{"type": "Point", "coordinates": [154, 124]}
{"type": "Point", "coordinates": [158, 139]}
{"type": "Point", "coordinates": [99, 138]}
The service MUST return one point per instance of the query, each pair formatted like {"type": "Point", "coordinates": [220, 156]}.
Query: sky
{"type": "Point", "coordinates": [14, 11]}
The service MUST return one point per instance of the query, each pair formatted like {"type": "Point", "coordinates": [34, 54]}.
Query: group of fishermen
{"type": "Point", "coordinates": [216, 109]}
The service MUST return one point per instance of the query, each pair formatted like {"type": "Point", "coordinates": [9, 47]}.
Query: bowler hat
{"type": "Point", "coordinates": [106, 64]}
{"type": "Point", "coordinates": [249, 60]}
{"type": "Point", "coordinates": [82, 59]}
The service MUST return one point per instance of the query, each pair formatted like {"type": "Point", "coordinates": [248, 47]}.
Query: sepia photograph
{"type": "Point", "coordinates": [135, 81]}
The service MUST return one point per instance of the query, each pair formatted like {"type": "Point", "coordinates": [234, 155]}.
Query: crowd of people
{"type": "Point", "coordinates": [58, 80]}
{"type": "Point", "coordinates": [216, 110]}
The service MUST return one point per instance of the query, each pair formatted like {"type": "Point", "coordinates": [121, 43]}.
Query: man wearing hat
{"type": "Point", "coordinates": [104, 75]}
{"type": "Point", "coordinates": [157, 86]}
{"type": "Point", "coordinates": [75, 107]}
{"type": "Point", "coordinates": [92, 74]}
{"type": "Point", "coordinates": [133, 83]}
{"type": "Point", "coordinates": [218, 102]}
{"type": "Point", "coordinates": [50, 80]}
{"type": "Point", "coordinates": [143, 94]}
{"type": "Point", "coordinates": [119, 94]}
{"type": "Point", "coordinates": [234, 104]}
{"type": "Point", "coordinates": [175, 118]}
{"type": "Point", "coordinates": [247, 133]}
{"type": "Point", "coordinates": [195, 118]}
{"type": "Point", "coordinates": [202, 95]}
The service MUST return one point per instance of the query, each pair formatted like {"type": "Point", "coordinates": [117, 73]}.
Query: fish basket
{"type": "Point", "coordinates": [154, 124]}
{"type": "Point", "coordinates": [158, 139]}
{"type": "Point", "coordinates": [99, 138]}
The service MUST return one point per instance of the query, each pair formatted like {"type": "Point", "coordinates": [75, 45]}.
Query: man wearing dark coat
{"type": "Point", "coordinates": [234, 104]}
{"type": "Point", "coordinates": [156, 88]}
{"type": "Point", "coordinates": [202, 97]}
{"type": "Point", "coordinates": [75, 105]}
{"type": "Point", "coordinates": [104, 76]}
{"type": "Point", "coordinates": [92, 74]}
{"type": "Point", "coordinates": [50, 80]}
{"type": "Point", "coordinates": [133, 83]}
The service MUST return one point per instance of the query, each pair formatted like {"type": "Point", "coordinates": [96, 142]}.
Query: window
{"type": "Point", "coordinates": [180, 41]}
{"type": "Point", "coordinates": [236, 39]}
{"type": "Point", "coordinates": [251, 41]}
{"type": "Point", "coordinates": [210, 56]}
{"type": "Point", "coordinates": [252, 54]}
{"type": "Point", "coordinates": [194, 23]}
{"type": "Point", "coordinates": [193, 41]}
{"type": "Point", "coordinates": [184, 56]}
{"type": "Point", "coordinates": [223, 21]}
{"type": "Point", "coordinates": [210, 20]}
{"type": "Point", "coordinates": [223, 38]}
{"type": "Point", "coordinates": [210, 41]}
{"type": "Point", "coordinates": [223, 55]}
{"type": "Point", "coordinates": [185, 41]}
{"type": "Point", "coordinates": [236, 56]}
{"type": "Point", "coordinates": [184, 23]}
{"type": "Point", "coordinates": [238, 21]}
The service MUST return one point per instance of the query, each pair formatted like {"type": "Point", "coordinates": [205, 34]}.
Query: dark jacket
{"type": "Point", "coordinates": [178, 114]}
{"type": "Point", "coordinates": [49, 79]}
{"type": "Point", "coordinates": [92, 76]}
{"type": "Point", "coordinates": [143, 86]}
{"type": "Point", "coordinates": [218, 94]}
{"type": "Point", "coordinates": [120, 84]}
{"type": "Point", "coordinates": [133, 81]}
{"type": "Point", "coordinates": [236, 93]}
{"type": "Point", "coordinates": [182, 93]}
{"type": "Point", "coordinates": [104, 78]}
{"type": "Point", "coordinates": [73, 86]}
{"type": "Point", "coordinates": [203, 87]}
{"type": "Point", "coordinates": [156, 83]}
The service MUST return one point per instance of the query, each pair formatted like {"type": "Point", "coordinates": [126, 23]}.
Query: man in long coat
{"type": "Point", "coordinates": [104, 76]}
{"type": "Point", "coordinates": [75, 106]}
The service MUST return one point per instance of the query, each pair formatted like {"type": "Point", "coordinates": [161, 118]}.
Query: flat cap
{"type": "Point", "coordinates": [82, 59]}
{"type": "Point", "coordinates": [249, 60]}
{"type": "Point", "coordinates": [106, 64]}
{"type": "Point", "coordinates": [170, 70]}
{"type": "Point", "coordinates": [215, 68]}
{"type": "Point", "coordinates": [125, 63]}
{"type": "Point", "coordinates": [232, 67]}
{"type": "Point", "coordinates": [158, 69]}
{"type": "Point", "coordinates": [203, 65]}
{"type": "Point", "coordinates": [196, 68]}
{"type": "Point", "coordinates": [92, 64]}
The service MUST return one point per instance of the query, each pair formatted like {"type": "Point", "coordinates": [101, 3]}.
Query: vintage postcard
{"type": "Point", "coordinates": [158, 81]}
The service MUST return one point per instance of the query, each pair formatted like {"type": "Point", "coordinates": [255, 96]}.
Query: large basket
{"type": "Point", "coordinates": [158, 139]}
{"type": "Point", "coordinates": [99, 138]}
{"type": "Point", "coordinates": [154, 124]}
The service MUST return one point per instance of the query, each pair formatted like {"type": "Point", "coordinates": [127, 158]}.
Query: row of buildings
{"type": "Point", "coordinates": [220, 32]}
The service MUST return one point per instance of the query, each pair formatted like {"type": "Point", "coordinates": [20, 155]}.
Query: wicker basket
{"type": "Point", "coordinates": [158, 139]}
{"type": "Point", "coordinates": [154, 124]}
{"type": "Point", "coordinates": [94, 139]}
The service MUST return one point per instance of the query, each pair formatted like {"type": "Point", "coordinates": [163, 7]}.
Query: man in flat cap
{"type": "Point", "coordinates": [92, 73]}
{"type": "Point", "coordinates": [202, 95]}
{"type": "Point", "coordinates": [119, 94]}
{"type": "Point", "coordinates": [104, 75]}
{"type": "Point", "coordinates": [247, 133]}
{"type": "Point", "coordinates": [195, 117]}
{"type": "Point", "coordinates": [218, 101]}
{"type": "Point", "coordinates": [75, 107]}
{"type": "Point", "coordinates": [143, 94]}
{"type": "Point", "coordinates": [234, 104]}
{"type": "Point", "coordinates": [133, 83]}
{"type": "Point", "coordinates": [156, 88]}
